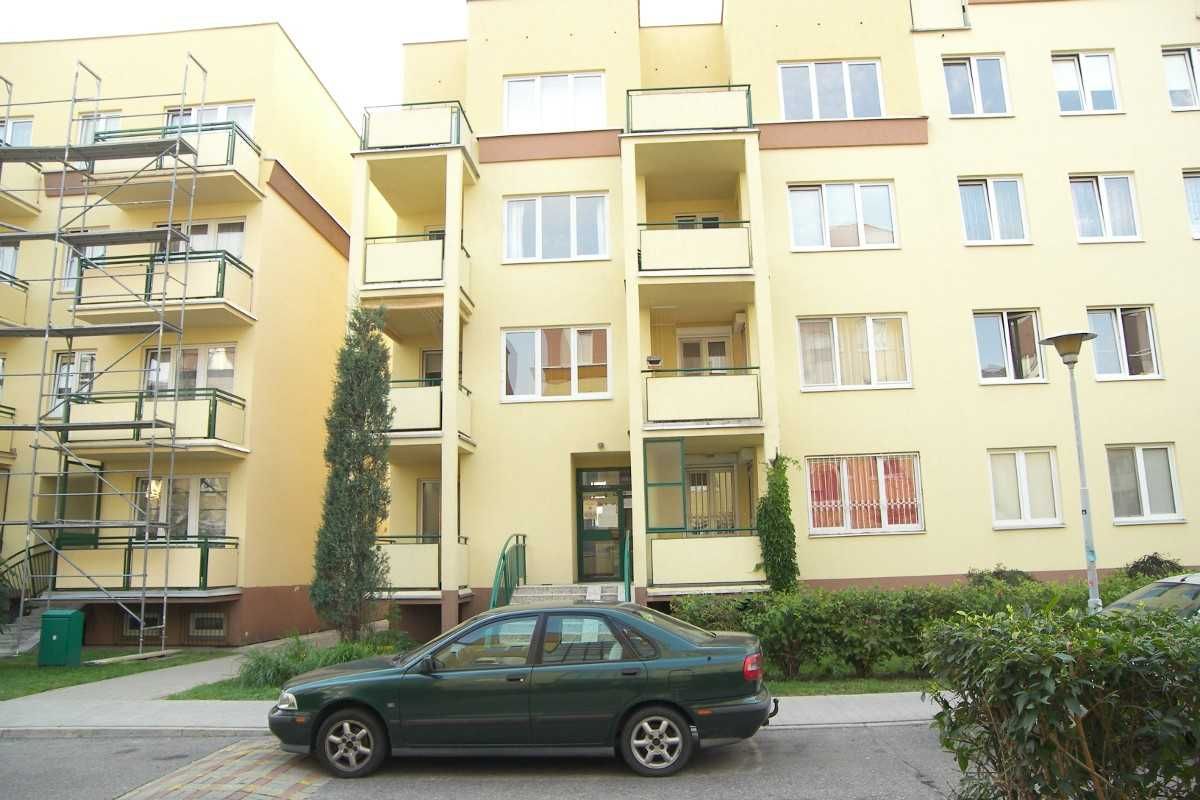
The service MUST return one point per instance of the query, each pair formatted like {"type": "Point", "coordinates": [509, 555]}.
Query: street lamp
{"type": "Point", "coordinates": [1068, 346]}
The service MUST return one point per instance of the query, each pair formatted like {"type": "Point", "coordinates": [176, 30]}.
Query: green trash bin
{"type": "Point", "coordinates": [62, 638]}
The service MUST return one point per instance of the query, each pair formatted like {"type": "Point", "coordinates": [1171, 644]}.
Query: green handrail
{"type": "Point", "coordinates": [510, 570]}
{"type": "Point", "coordinates": [627, 568]}
{"type": "Point", "coordinates": [18, 573]}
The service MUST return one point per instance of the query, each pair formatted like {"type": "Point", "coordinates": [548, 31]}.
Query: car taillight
{"type": "Point", "coordinates": [752, 667]}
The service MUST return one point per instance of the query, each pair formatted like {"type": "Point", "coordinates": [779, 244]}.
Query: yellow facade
{"type": "Point", "coordinates": [696, 145]}
{"type": "Point", "coordinates": [254, 447]}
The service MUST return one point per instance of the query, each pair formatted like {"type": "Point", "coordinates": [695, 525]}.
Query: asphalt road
{"type": "Point", "coordinates": [888, 763]}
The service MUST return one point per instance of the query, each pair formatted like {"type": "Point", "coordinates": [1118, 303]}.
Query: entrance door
{"type": "Point", "coordinates": [603, 516]}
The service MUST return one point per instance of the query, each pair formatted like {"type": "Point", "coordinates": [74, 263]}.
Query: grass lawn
{"type": "Point", "coordinates": [228, 689]}
{"type": "Point", "coordinates": [20, 675]}
{"type": "Point", "coordinates": [891, 683]}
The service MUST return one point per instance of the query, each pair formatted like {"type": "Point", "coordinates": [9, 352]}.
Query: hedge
{"type": "Point", "coordinates": [865, 626]}
{"type": "Point", "coordinates": [1037, 705]}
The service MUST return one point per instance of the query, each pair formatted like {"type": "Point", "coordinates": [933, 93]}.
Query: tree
{"type": "Point", "coordinates": [348, 565]}
{"type": "Point", "coordinates": [776, 532]}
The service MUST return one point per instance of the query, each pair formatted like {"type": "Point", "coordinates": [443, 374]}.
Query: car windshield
{"type": "Point", "coordinates": [678, 627]}
{"type": "Point", "coordinates": [1182, 598]}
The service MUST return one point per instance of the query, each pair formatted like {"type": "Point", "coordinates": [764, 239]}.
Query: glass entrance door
{"type": "Point", "coordinates": [603, 518]}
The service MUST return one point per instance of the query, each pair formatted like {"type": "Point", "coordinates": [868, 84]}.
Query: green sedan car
{"type": "Point", "coordinates": [565, 679]}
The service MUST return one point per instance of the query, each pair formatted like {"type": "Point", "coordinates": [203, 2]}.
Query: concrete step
{"type": "Point", "coordinates": [29, 628]}
{"type": "Point", "coordinates": [565, 593]}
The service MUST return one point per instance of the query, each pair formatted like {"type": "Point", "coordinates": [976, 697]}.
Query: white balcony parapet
{"type": "Point", "coordinates": [20, 188]}
{"type": "Point", "coordinates": [671, 246]}
{"type": "Point", "coordinates": [14, 295]}
{"type": "Point", "coordinates": [403, 259]}
{"type": "Point", "coordinates": [703, 395]}
{"type": "Point", "coordinates": [208, 414]}
{"type": "Point", "coordinates": [687, 108]}
{"type": "Point", "coordinates": [414, 561]}
{"type": "Point", "coordinates": [415, 125]}
{"type": "Point", "coordinates": [195, 563]}
{"type": "Point", "coordinates": [417, 407]}
{"type": "Point", "coordinates": [700, 558]}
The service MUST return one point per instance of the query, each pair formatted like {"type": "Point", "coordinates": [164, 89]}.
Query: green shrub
{"type": "Point", "coordinates": [1001, 573]}
{"type": "Point", "coordinates": [1037, 704]}
{"type": "Point", "coordinates": [794, 628]}
{"type": "Point", "coordinates": [1153, 566]}
{"type": "Point", "coordinates": [272, 667]}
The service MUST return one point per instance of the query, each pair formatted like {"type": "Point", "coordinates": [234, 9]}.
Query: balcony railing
{"type": "Point", "coordinates": [702, 395]}
{"type": "Point", "coordinates": [417, 406]}
{"type": "Point", "coordinates": [685, 246]}
{"type": "Point", "coordinates": [415, 561]}
{"type": "Point", "coordinates": [410, 125]}
{"type": "Point", "coordinates": [20, 188]}
{"type": "Point", "coordinates": [687, 108]}
{"type": "Point", "coordinates": [219, 146]}
{"type": "Point", "coordinates": [728, 556]}
{"type": "Point", "coordinates": [14, 295]}
{"type": "Point", "coordinates": [208, 414]}
{"type": "Point", "coordinates": [8, 415]}
{"type": "Point", "coordinates": [212, 276]}
{"type": "Point", "coordinates": [194, 563]}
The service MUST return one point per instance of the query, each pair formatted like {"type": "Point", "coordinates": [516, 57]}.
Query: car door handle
{"type": "Point", "coordinates": [631, 672]}
{"type": "Point", "coordinates": [515, 679]}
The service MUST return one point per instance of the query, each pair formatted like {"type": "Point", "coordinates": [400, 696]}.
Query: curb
{"type": "Point", "coordinates": [114, 732]}
{"type": "Point", "coordinates": [802, 726]}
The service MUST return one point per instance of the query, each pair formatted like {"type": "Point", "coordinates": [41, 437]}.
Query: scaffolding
{"type": "Point", "coordinates": [95, 165]}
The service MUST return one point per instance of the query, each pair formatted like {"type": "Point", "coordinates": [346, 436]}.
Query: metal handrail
{"type": "Point", "coordinates": [102, 541]}
{"type": "Point", "coordinates": [13, 280]}
{"type": "Point", "coordinates": [700, 370]}
{"type": "Point", "coordinates": [455, 133]}
{"type": "Point", "coordinates": [167, 130]}
{"type": "Point", "coordinates": [408, 538]}
{"type": "Point", "coordinates": [702, 532]}
{"type": "Point", "coordinates": [17, 572]}
{"type": "Point", "coordinates": [510, 570]}
{"type": "Point", "coordinates": [114, 395]}
{"type": "Point", "coordinates": [697, 225]}
{"type": "Point", "coordinates": [222, 258]}
{"type": "Point", "coordinates": [164, 258]}
{"type": "Point", "coordinates": [729, 87]}
{"type": "Point", "coordinates": [627, 567]}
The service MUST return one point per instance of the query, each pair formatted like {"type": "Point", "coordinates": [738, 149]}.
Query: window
{"type": "Point", "coordinates": [1104, 207]}
{"type": "Point", "coordinates": [206, 625]}
{"type": "Point", "coordinates": [1124, 345]}
{"type": "Point", "coordinates": [556, 363]}
{"type": "Point", "coordinates": [1085, 83]}
{"type": "Point", "coordinates": [240, 113]}
{"type": "Point", "coordinates": [1191, 190]}
{"type": "Point", "coordinates": [93, 123]}
{"type": "Point", "coordinates": [842, 215]}
{"type": "Point", "coordinates": [976, 85]}
{"type": "Point", "coordinates": [1144, 484]}
{"type": "Point", "coordinates": [554, 102]}
{"type": "Point", "coordinates": [73, 270]}
{"type": "Point", "coordinates": [854, 352]}
{"type": "Point", "coordinates": [643, 648]}
{"type": "Point", "coordinates": [210, 235]}
{"type": "Point", "coordinates": [189, 506]}
{"type": "Point", "coordinates": [690, 221]}
{"type": "Point", "coordinates": [993, 210]}
{"type": "Point", "coordinates": [499, 644]}
{"type": "Point", "coordinates": [711, 499]}
{"type": "Point", "coordinates": [864, 494]}
{"type": "Point", "coordinates": [556, 227]}
{"type": "Point", "coordinates": [8, 262]}
{"type": "Point", "coordinates": [580, 640]}
{"type": "Point", "coordinates": [429, 510]}
{"type": "Point", "coordinates": [74, 374]}
{"type": "Point", "coordinates": [830, 90]}
{"type": "Point", "coordinates": [1183, 77]}
{"type": "Point", "coordinates": [704, 352]}
{"type": "Point", "coordinates": [1007, 345]}
{"type": "Point", "coordinates": [18, 132]}
{"type": "Point", "coordinates": [151, 616]}
{"type": "Point", "coordinates": [202, 367]}
{"type": "Point", "coordinates": [1024, 488]}
{"type": "Point", "coordinates": [431, 367]}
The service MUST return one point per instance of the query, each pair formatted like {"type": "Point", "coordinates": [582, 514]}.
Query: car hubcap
{"type": "Point", "coordinates": [348, 745]}
{"type": "Point", "coordinates": [656, 742]}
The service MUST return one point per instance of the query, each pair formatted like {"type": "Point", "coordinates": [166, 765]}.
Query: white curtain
{"type": "Point", "coordinates": [1008, 210]}
{"type": "Point", "coordinates": [1039, 475]}
{"type": "Point", "coordinates": [1006, 496]}
{"type": "Point", "coordinates": [1158, 480]}
{"type": "Point", "coordinates": [976, 217]}
{"type": "Point", "coordinates": [1191, 186]}
{"type": "Point", "coordinates": [1120, 206]}
{"type": "Point", "coordinates": [889, 350]}
{"type": "Point", "coordinates": [816, 351]}
{"type": "Point", "coordinates": [853, 356]}
{"type": "Point", "coordinates": [521, 229]}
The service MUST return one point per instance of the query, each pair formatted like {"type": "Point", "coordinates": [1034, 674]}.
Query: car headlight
{"type": "Point", "coordinates": [286, 701]}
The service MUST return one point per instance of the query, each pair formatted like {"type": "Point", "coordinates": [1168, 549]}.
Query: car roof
{"type": "Point", "coordinates": [561, 605]}
{"type": "Point", "coordinates": [1191, 577]}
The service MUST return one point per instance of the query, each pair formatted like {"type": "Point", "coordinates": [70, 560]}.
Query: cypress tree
{"type": "Point", "coordinates": [776, 532]}
{"type": "Point", "coordinates": [348, 565]}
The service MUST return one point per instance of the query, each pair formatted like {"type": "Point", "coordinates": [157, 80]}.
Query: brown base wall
{"type": "Point", "coordinates": [271, 612]}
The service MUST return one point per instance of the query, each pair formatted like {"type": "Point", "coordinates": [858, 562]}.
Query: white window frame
{"type": "Point", "coordinates": [77, 356]}
{"type": "Point", "coordinates": [1008, 378]}
{"type": "Point", "coordinates": [994, 211]}
{"type": "Point", "coordinates": [605, 251]}
{"type": "Point", "coordinates": [220, 110]}
{"type": "Point", "coordinates": [1099, 180]}
{"type": "Point", "coordinates": [696, 221]}
{"type": "Point", "coordinates": [107, 121]}
{"type": "Point", "coordinates": [69, 280]}
{"type": "Point", "coordinates": [1122, 354]}
{"type": "Point", "coordinates": [858, 210]}
{"type": "Point", "coordinates": [6, 130]}
{"type": "Point", "coordinates": [844, 490]}
{"type": "Point", "coordinates": [1194, 225]}
{"type": "Point", "coordinates": [178, 244]}
{"type": "Point", "coordinates": [1026, 521]}
{"type": "Point", "coordinates": [837, 385]}
{"type": "Point", "coordinates": [421, 484]}
{"type": "Point", "coordinates": [573, 339]}
{"type": "Point", "coordinates": [1192, 54]}
{"type": "Point", "coordinates": [812, 88]}
{"type": "Point", "coordinates": [10, 255]}
{"type": "Point", "coordinates": [540, 127]}
{"type": "Point", "coordinates": [976, 93]}
{"type": "Point", "coordinates": [201, 363]}
{"type": "Point", "coordinates": [1077, 56]}
{"type": "Point", "coordinates": [193, 511]}
{"type": "Point", "coordinates": [1143, 493]}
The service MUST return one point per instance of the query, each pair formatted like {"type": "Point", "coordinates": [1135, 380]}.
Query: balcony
{"type": "Point", "coordinates": [205, 564]}
{"type": "Point", "coordinates": [706, 248]}
{"type": "Point", "coordinates": [14, 294]}
{"type": "Point", "coordinates": [706, 558]}
{"type": "Point", "coordinates": [8, 454]}
{"type": "Point", "coordinates": [411, 126]}
{"type": "Point", "coordinates": [688, 108]}
{"type": "Point", "coordinates": [417, 412]}
{"type": "Point", "coordinates": [206, 421]}
{"type": "Point", "coordinates": [131, 288]}
{"type": "Point", "coordinates": [415, 563]}
{"type": "Point", "coordinates": [20, 190]}
{"type": "Point", "coordinates": [703, 397]}
{"type": "Point", "coordinates": [227, 166]}
{"type": "Point", "coordinates": [406, 265]}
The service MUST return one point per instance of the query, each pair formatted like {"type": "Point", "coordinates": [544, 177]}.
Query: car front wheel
{"type": "Point", "coordinates": [351, 743]}
{"type": "Point", "coordinates": [656, 742]}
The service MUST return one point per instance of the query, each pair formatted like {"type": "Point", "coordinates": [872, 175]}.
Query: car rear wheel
{"type": "Point", "coordinates": [351, 743]}
{"type": "Point", "coordinates": [656, 742]}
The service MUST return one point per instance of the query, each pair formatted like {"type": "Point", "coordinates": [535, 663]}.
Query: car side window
{"type": "Point", "coordinates": [580, 640]}
{"type": "Point", "coordinates": [504, 643]}
{"type": "Point", "coordinates": [642, 647]}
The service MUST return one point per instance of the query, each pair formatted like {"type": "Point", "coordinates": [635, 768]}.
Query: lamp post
{"type": "Point", "coordinates": [1068, 346]}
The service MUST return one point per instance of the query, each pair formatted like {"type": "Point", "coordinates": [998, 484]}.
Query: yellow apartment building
{"type": "Point", "coordinates": [623, 266]}
{"type": "Point", "coordinates": [250, 380]}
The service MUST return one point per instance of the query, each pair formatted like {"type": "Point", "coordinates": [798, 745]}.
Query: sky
{"type": "Point", "coordinates": [356, 53]}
